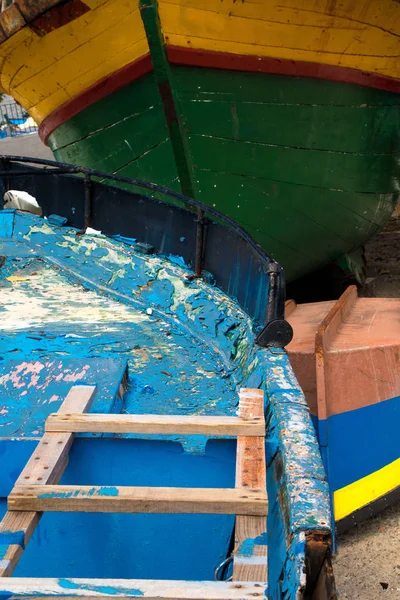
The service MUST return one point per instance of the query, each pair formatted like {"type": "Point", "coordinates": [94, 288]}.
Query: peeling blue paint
{"type": "Point", "coordinates": [187, 355]}
{"type": "Point", "coordinates": [107, 491]}
{"type": "Point", "coordinates": [12, 537]}
{"type": "Point", "coordinates": [7, 223]}
{"type": "Point", "coordinates": [246, 548]}
{"type": "Point", "coordinates": [67, 584]}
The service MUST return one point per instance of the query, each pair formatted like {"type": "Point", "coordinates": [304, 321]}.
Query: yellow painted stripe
{"type": "Point", "coordinates": [366, 490]}
{"type": "Point", "coordinates": [43, 73]}
{"type": "Point", "coordinates": [304, 34]}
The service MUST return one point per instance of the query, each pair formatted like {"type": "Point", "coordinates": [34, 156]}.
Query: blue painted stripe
{"type": "Point", "coordinates": [361, 441]}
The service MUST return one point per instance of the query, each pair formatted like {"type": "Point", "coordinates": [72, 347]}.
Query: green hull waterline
{"type": "Point", "coordinates": [308, 167]}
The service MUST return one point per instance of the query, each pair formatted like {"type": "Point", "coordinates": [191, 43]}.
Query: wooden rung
{"type": "Point", "coordinates": [68, 498]}
{"type": "Point", "coordinates": [156, 424]}
{"type": "Point", "coordinates": [45, 466]}
{"type": "Point", "coordinates": [250, 557]}
{"type": "Point", "coordinates": [152, 589]}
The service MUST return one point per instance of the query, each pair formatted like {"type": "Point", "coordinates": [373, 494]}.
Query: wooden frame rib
{"type": "Point", "coordinates": [250, 559]}
{"type": "Point", "coordinates": [156, 424]}
{"type": "Point", "coordinates": [45, 466]}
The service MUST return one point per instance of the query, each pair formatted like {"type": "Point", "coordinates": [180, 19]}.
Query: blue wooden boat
{"type": "Point", "coordinates": [151, 356]}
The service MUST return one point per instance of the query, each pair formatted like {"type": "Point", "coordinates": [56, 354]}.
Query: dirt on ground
{"type": "Point", "coordinates": [382, 255]}
{"type": "Point", "coordinates": [367, 565]}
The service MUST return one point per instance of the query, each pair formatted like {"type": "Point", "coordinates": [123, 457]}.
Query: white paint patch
{"type": "Point", "coordinates": [47, 296]}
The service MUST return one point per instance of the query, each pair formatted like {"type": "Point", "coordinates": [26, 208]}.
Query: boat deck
{"type": "Point", "coordinates": [92, 310]}
{"type": "Point", "coordinates": [82, 309]}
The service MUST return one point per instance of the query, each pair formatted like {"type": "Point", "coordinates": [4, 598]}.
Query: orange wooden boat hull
{"type": "Point", "coordinates": [346, 355]}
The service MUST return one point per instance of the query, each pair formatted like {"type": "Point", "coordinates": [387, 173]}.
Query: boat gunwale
{"type": "Point", "coordinates": [275, 330]}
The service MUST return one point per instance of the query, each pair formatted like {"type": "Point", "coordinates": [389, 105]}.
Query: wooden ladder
{"type": "Point", "coordinates": [37, 490]}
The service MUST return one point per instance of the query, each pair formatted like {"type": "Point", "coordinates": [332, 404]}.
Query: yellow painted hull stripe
{"type": "Point", "coordinates": [364, 491]}
{"type": "Point", "coordinates": [269, 30]}
{"type": "Point", "coordinates": [43, 73]}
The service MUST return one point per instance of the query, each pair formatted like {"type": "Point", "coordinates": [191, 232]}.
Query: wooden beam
{"type": "Point", "coordinates": [173, 115]}
{"type": "Point", "coordinates": [39, 589]}
{"type": "Point", "coordinates": [156, 424]}
{"type": "Point", "coordinates": [48, 461]}
{"type": "Point", "coordinates": [45, 466]}
{"type": "Point", "coordinates": [250, 560]}
{"type": "Point", "coordinates": [68, 498]}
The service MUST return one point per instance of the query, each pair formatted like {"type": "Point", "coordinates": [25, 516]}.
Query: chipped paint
{"type": "Point", "coordinates": [82, 309]}
{"type": "Point", "coordinates": [67, 584]}
{"type": "Point", "coordinates": [246, 548]}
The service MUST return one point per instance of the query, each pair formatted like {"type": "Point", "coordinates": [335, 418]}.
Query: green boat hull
{"type": "Point", "coordinates": [308, 167]}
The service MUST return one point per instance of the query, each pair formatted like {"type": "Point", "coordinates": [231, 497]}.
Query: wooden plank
{"type": "Point", "coordinates": [16, 529]}
{"type": "Point", "coordinates": [250, 561]}
{"type": "Point", "coordinates": [48, 461]}
{"type": "Point", "coordinates": [286, 124]}
{"type": "Point", "coordinates": [130, 588]}
{"type": "Point", "coordinates": [156, 424]}
{"type": "Point", "coordinates": [350, 172]}
{"type": "Point", "coordinates": [45, 466]}
{"type": "Point", "coordinates": [68, 498]}
{"type": "Point", "coordinates": [250, 453]}
{"type": "Point", "coordinates": [78, 399]}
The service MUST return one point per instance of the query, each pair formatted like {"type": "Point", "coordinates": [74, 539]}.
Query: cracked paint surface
{"type": "Point", "coordinates": [90, 309]}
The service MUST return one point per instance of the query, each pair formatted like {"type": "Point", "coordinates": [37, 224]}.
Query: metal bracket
{"type": "Point", "coordinates": [276, 334]}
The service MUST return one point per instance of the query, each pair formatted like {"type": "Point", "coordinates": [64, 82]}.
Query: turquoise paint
{"type": "Point", "coordinates": [107, 491]}
{"type": "Point", "coordinates": [12, 537]}
{"type": "Point", "coordinates": [69, 585]}
{"type": "Point", "coordinates": [189, 356]}
{"type": "Point", "coordinates": [72, 494]}
{"type": "Point", "coordinates": [246, 548]}
{"type": "Point", "coordinates": [298, 493]}
{"type": "Point", "coordinates": [7, 223]}
{"type": "Point", "coordinates": [41, 366]}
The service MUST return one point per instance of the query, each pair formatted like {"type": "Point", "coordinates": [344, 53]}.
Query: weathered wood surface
{"type": "Point", "coordinates": [130, 588]}
{"type": "Point", "coordinates": [156, 424]}
{"type": "Point", "coordinates": [365, 34]}
{"type": "Point", "coordinates": [250, 562]}
{"type": "Point", "coordinates": [45, 466]}
{"type": "Point", "coordinates": [68, 498]}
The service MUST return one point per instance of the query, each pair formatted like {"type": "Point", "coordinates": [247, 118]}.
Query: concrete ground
{"type": "Point", "coordinates": [25, 145]}
{"type": "Point", "coordinates": [367, 565]}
